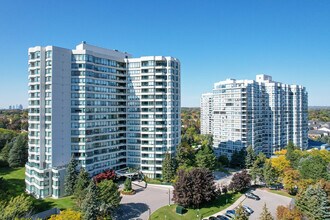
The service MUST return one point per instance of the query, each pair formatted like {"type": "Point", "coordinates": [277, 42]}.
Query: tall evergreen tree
{"type": "Point", "coordinates": [70, 177]}
{"type": "Point", "coordinates": [109, 196]}
{"type": "Point", "coordinates": [270, 174]}
{"type": "Point", "coordinates": [91, 203]}
{"type": "Point", "coordinates": [18, 154]}
{"type": "Point", "coordinates": [223, 160]}
{"type": "Point", "coordinates": [5, 151]}
{"type": "Point", "coordinates": [292, 155]}
{"type": "Point", "coordinates": [185, 155]}
{"type": "Point", "coordinates": [265, 214]}
{"type": "Point", "coordinates": [256, 170]}
{"type": "Point", "coordinates": [168, 168]}
{"type": "Point", "coordinates": [81, 187]}
{"type": "Point", "coordinates": [250, 157]}
{"type": "Point", "coordinates": [238, 159]}
{"type": "Point", "coordinates": [206, 158]}
{"type": "Point", "coordinates": [314, 203]}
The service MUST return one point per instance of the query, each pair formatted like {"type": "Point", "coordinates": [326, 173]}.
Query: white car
{"type": "Point", "coordinates": [248, 209]}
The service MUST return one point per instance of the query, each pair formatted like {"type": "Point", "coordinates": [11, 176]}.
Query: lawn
{"type": "Point", "coordinates": [15, 186]}
{"type": "Point", "coordinates": [168, 212]}
{"type": "Point", "coordinates": [282, 193]}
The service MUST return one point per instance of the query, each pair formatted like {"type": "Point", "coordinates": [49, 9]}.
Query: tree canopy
{"type": "Point", "coordinates": [194, 187]}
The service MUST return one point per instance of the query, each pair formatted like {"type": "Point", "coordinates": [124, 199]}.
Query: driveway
{"type": "Point", "coordinates": [144, 202]}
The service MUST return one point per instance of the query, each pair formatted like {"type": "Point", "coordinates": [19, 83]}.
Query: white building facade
{"type": "Point", "coordinates": [92, 104]}
{"type": "Point", "coordinates": [262, 113]}
{"type": "Point", "coordinates": [206, 113]}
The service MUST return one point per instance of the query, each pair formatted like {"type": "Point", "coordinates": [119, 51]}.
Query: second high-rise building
{"type": "Point", "coordinates": [105, 108]}
{"type": "Point", "coordinates": [262, 113]}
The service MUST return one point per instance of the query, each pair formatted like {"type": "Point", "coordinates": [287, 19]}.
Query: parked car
{"type": "Point", "coordinates": [230, 216]}
{"type": "Point", "coordinates": [251, 195]}
{"type": "Point", "coordinates": [233, 212]}
{"type": "Point", "coordinates": [213, 218]}
{"type": "Point", "coordinates": [222, 217]}
{"type": "Point", "coordinates": [276, 186]}
{"type": "Point", "coordinates": [247, 209]}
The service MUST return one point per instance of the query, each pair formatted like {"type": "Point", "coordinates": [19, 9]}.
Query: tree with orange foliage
{"type": "Point", "coordinates": [288, 213]}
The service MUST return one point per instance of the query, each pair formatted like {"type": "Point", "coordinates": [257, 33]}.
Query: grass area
{"type": "Point", "coordinates": [282, 193]}
{"type": "Point", "coordinates": [157, 181]}
{"type": "Point", "coordinates": [15, 185]}
{"type": "Point", "coordinates": [211, 208]}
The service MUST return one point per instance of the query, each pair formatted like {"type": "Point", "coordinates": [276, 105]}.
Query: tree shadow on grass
{"type": "Point", "coordinates": [13, 187]}
{"type": "Point", "coordinates": [6, 170]}
{"type": "Point", "coordinates": [130, 210]}
{"type": "Point", "coordinates": [41, 205]}
{"type": "Point", "coordinates": [221, 201]}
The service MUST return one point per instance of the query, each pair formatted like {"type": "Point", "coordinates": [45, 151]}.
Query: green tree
{"type": "Point", "coordinates": [109, 196]}
{"type": "Point", "coordinates": [168, 168]}
{"type": "Point", "coordinates": [293, 154]}
{"type": "Point", "coordinates": [256, 170]}
{"type": "Point", "coordinates": [265, 214]}
{"type": "Point", "coordinates": [206, 140]}
{"type": "Point", "coordinates": [18, 154]}
{"type": "Point", "coordinates": [128, 184]}
{"type": "Point", "coordinates": [250, 157]}
{"type": "Point", "coordinates": [18, 207]}
{"type": "Point", "coordinates": [238, 159]}
{"type": "Point", "coordinates": [6, 136]}
{"type": "Point", "coordinates": [206, 158]}
{"type": "Point", "coordinates": [270, 174]}
{"type": "Point", "coordinates": [313, 167]}
{"type": "Point", "coordinates": [241, 214]}
{"type": "Point", "coordinates": [81, 187]}
{"type": "Point", "coordinates": [70, 177]}
{"type": "Point", "coordinates": [223, 160]}
{"type": "Point", "coordinates": [314, 203]}
{"type": "Point", "coordinates": [91, 203]}
{"type": "Point", "coordinates": [185, 155]}
{"type": "Point", "coordinates": [4, 155]}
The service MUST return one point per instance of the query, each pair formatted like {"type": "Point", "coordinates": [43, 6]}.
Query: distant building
{"type": "Point", "coordinates": [262, 113]}
{"type": "Point", "coordinates": [207, 113]}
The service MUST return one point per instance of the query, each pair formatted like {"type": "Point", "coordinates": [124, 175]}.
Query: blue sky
{"type": "Point", "coordinates": [214, 39]}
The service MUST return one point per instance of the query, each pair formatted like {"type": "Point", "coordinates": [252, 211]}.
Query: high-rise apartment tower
{"type": "Point", "coordinates": [102, 107]}
{"type": "Point", "coordinates": [262, 113]}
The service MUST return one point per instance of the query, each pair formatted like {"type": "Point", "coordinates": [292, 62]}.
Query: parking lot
{"type": "Point", "coordinates": [272, 201]}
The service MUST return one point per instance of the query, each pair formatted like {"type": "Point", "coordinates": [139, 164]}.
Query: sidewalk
{"type": "Point", "coordinates": [232, 206]}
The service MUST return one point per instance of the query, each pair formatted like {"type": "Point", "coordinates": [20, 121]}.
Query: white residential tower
{"type": "Point", "coordinates": [262, 113]}
{"type": "Point", "coordinates": [104, 108]}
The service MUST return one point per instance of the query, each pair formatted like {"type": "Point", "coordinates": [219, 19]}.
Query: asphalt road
{"type": "Point", "coordinates": [144, 202]}
{"type": "Point", "coordinates": [272, 201]}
